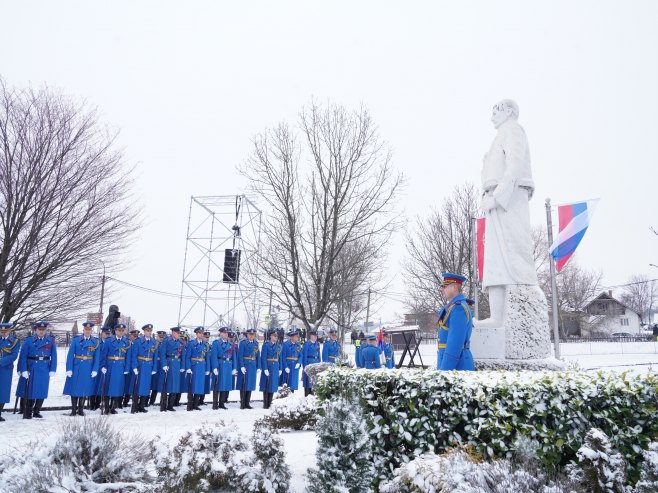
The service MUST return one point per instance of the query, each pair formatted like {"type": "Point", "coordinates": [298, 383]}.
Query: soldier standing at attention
{"type": "Point", "coordinates": [290, 359]}
{"type": "Point", "coordinates": [171, 354]}
{"type": "Point", "coordinates": [331, 348]}
{"type": "Point", "coordinates": [370, 354]}
{"type": "Point", "coordinates": [197, 363]}
{"type": "Point", "coordinates": [249, 363]}
{"type": "Point", "coordinates": [310, 355]}
{"type": "Point", "coordinates": [389, 354]}
{"type": "Point", "coordinates": [270, 363]}
{"type": "Point", "coordinates": [223, 369]}
{"type": "Point", "coordinates": [37, 362]}
{"type": "Point", "coordinates": [455, 327]}
{"type": "Point", "coordinates": [114, 365]}
{"type": "Point", "coordinates": [144, 365]}
{"type": "Point", "coordinates": [98, 382]}
{"type": "Point", "coordinates": [82, 368]}
{"type": "Point", "coordinates": [9, 348]}
{"type": "Point", "coordinates": [157, 380]}
{"type": "Point", "coordinates": [129, 382]}
{"type": "Point", "coordinates": [232, 340]}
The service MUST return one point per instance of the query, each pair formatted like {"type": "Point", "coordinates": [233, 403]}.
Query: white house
{"type": "Point", "coordinates": [611, 315]}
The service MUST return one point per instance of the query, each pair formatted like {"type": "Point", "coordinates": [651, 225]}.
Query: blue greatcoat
{"type": "Point", "coordinates": [157, 380]}
{"type": "Point", "coordinates": [370, 357]}
{"type": "Point", "coordinates": [224, 361]}
{"type": "Point", "coordinates": [310, 355]}
{"type": "Point", "coordinates": [455, 327]}
{"type": "Point", "coordinates": [290, 358]}
{"type": "Point", "coordinates": [39, 357]}
{"type": "Point", "coordinates": [357, 355]}
{"type": "Point", "coordinates": [98, 381]}
{"type": "Point", "coordinates": [389, 355]}
{"type": "Point", "coordinates": [142, 355]}
{"type": "Point", "coordinates": [171, 355]}
{"type": "Point", "coordinates": [114, 358]}
{"type": "Point", "coordinates": [9, 348]}
{"type": "Point", "coordinates": [197, 358]}
{"type": "Point", "coordinates": [184, 383]}
{"type": "Point", "coordinates": [248, 358]}
{"type": "Point", "coordinates": [330, 351]}
{"type": "Point", "coordinates": [82, 359]}
{"type": "Point", "coordinates": [270, 359]}
{"type": "Point", "coordinates": [129, 378]}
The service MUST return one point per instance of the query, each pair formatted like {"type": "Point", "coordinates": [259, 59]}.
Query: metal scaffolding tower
{"type": "Point", "coordinates": [220, 274]}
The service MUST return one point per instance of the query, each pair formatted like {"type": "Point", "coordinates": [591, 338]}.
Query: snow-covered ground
{"type": "Point", "coordinates": [300, 446]}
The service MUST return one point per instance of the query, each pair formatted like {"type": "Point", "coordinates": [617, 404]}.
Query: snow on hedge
{"type": "Point", "coordinates": [413, 412]}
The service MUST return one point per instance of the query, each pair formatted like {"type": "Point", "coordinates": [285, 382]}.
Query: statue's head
{"type": "Point", "coordinates": [503, 111]}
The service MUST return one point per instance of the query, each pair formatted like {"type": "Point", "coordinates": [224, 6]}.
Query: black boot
{"type": "Point", "coordinates": [37, 408]}
{"type": "Point", "coordinates": [215, 400]}
{"type": "Point", "coordinates": [221, 400]}
{"type": "Point", "coordinates": [74, 406]}
{"type": "Point", "coordinates": [81, 405]}
{"type": "Point", "coordinates": [114, 403]}
{"type": "Point", "coordinates": [177, 399]}
{"type": "Point", "coordinates": [154, 395]}
{"type": "Point", "coordinates": [141, 404]}
{"type": "Point", "coordinates": [124, 402]}
{"type": "Point", "coordinates": [170, 402]}
{"type": "Point", "coordinates": [106, 405]}
{"type": "Point", "coordinates": [29, 404]}
{"type": "Point", "coordinates": [2, 406]}
{"type": "Point", "coordinates": [247, 399]}
{"type": "Point", "coordinates": [202, 399]}
{"type": "Point", "coordinates": [242, 394]}
{"type": "Point", "coordinates": [196, 402]}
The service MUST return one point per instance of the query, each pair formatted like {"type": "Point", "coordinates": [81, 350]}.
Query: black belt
{"type": "Point", "coordinates": [225, 359]}
{"type": "Point", "coordinates": [39, 358]}
{"type": "Point", "coordinates": [173, 356]}
{"type": "Point", "coordinates": [312, 357]}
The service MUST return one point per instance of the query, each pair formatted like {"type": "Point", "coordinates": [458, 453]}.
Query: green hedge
{"type": "Point", "coordinates": [410, 412]}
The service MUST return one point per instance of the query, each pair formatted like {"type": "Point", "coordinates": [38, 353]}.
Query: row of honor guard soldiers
{"type": "Point", "coordinates": [369, 355]}
{"type": "Point", "coordinates": [109, 370]}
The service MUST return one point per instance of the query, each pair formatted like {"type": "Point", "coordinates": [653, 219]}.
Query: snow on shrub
{"type": "Point", "coordinates": [344, 453]}
{"type": "Point", "coordinates": [83, 455]}
{"type": "Point", "coordinates": [600, 468]}
{"type": "Point", "coordinates": [411, 412]}
{"type": "Point", "coordinates": [295, 412]}
{"type": "Point", "coordinates": [270, 456]}
{"type": "Point", "coordinates": [283, 392]}
{"type": "Point", "coordinates": [648, 482]}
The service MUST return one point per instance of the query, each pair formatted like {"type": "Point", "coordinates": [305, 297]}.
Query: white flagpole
{"type": "Point", "coordinates": [474, 274]}
{"type": "Point", "coordinates": [556, 331]}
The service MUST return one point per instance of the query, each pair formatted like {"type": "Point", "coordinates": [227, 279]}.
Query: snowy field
{"type": "Point", "coordinates": [299, 446]}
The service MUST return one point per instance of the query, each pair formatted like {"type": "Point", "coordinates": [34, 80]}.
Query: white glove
{"type": "Point", "coordinates": [69, 373]}
{"type": "Point", "coordinates": [153, 372]}
{"type": "Point", "coordinates": [267, 373]}
{"type": "Point", "coordinates": [103, 370]}
{"type": "Point", "coordinates": [280, 372]}
{"type": "Point", "coordinates": [243, 370]}
{"type": "Point", "coordinates": [182, 370]}
{"type": "Point", "coordinates": [234, 372]}
{"type": "Point", "coordinates": [135, 371]}
{"type": "Point", "coordinates": [125, 373]}
{"type": "Point", "coordinates": [207, 373]}
{"type": "Point", "coordinates": [51, 373]}
{"type": "Point", "coordinates": [215, 371]}
{"type": "Point", "coordinates": [165, 368]}
{"type": "Point", "coordinates": [25, 374]}
{"type": "Point", "coordinates": [297, 366]}
{"type": "Point", "coordinates": [287, 371]}
{"type": "Point", "coordinates": [189, 370]}
{"type": "Point", "coordinates": [93, 374]}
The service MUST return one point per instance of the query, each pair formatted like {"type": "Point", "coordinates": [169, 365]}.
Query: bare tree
{"type": "Point", "coordinates": [328, 184]}
{"type": "Point", "coordinates": [441, 243]}
{"type": "Point", "coordinates": [641, 294]}
{"type": "Point", "coordinates": [64, 205]}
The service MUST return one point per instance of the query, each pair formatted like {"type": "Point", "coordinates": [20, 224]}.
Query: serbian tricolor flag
{"type": "Point", "coordinates": [380, 339]}
{"type": "Point", "coordinates": [573, 221]}
{"type": "Point", "coordinates": [479, 236]}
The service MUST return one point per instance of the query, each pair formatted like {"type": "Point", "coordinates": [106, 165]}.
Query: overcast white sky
{"type": "Point", "coordinates": [189, 83]}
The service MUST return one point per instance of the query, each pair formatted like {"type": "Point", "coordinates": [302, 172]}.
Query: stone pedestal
{"type": "Point", "coordinates": [524, 331]}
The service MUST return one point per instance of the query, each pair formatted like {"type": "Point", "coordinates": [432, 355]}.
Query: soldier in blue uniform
{"type": "Point", "coordinates": [171, 355]}
{"type": "Point", "coordinates": [249, 364]}
{"type": "Point", "coordinates": [370, 354]}
{"type": "Point", "coordinates": [184, 383]}
{"type": "Point", "coordinates": [157, 380]}
{"type": "Point", "coordinates": [115, 366]}
{"type": "Point", "coordinates": [290, 359]}
{"type": "Point", "coordinates": [82, 368]}
{"type": "Point", "coordinates": [197, 364]}
{"type": "Point", "coordinates": [207, 384]}
{"type": "Point", "coordinates": [99, 381]}
{"type": "Point", "coordinates": [9, 348]}
{"type": "Point", "coordinates": [231, 339]}
{"type": "Point", "coordinates": [37, 362]}
{"type": "Point", "coordinates": [331, 348]}
{"type": "Point", "coordinates": [455, 327]}
{"type": "Point", "coordinates": [144, 366]}
{"type": "Point", "coordinates": [129, 381]}
{"type": "Point", "coordinates": [310, 355]}
{"type": "Point", "coordinates": [389, 353]}
{"type": "Point", "coordinates": [223, 368]}
{"type": "Point", "coordinates": [270, 363]}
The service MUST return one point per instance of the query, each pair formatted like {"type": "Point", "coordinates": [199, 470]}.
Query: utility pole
{"type": "Point", "coordinates": [368, 310]}
{"type": "Point", "coordinates": [102, 293]}
{"type": "Point", "coordinates": [556, 331]}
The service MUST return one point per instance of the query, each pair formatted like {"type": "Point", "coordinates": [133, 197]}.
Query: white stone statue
{"type": "Point", "coordinates": [518, 306]}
